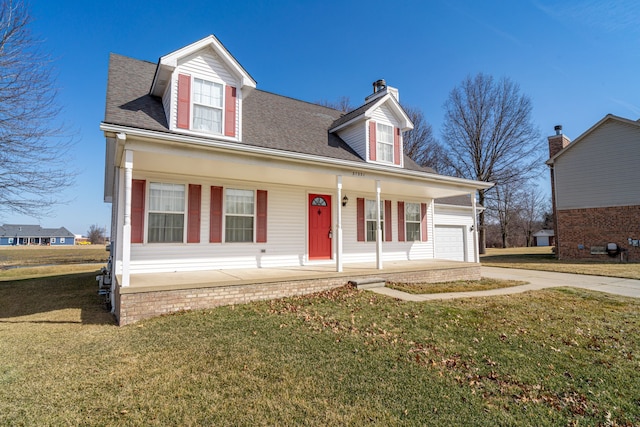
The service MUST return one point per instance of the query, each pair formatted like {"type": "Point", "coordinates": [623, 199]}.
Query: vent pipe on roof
{"type": "Point", "coordinates": [558, 129]}
{"type": "Point", "coordinates": [379, 85]}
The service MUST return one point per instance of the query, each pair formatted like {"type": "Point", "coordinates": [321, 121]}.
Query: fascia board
{"type": "Point", "coordinates": [397, 109]}
{"type": "Point", "coordinates": [288, 155]}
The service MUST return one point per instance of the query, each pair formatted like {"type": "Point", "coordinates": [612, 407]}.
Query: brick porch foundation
{"type": "Point", "coordinates": [133, 305]}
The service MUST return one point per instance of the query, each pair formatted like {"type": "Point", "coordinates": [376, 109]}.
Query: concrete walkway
{"type": "Point", "coordinates": [536, 280]}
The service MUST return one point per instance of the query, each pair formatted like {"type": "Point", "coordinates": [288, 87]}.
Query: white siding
{"type": "Point", "coordinates": [384, 115]}
{"type": "Point", "coordinates": [286, 228]}
{"type": "Point", "coordinates": [603, 169]}
{"type": "Point", "coordinates": [357, 138]}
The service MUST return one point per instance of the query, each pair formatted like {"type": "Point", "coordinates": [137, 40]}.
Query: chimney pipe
{"type": "Point", "coordinates": [378, 85]}
{"type": "Point", "coordinates": [558, 129]}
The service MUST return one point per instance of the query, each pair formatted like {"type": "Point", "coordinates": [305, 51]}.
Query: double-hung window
{"type": "Point", "coordinates": [412, 221]}
{"type": "Point", "coordinates": [384, 143]}
{"type": "Point", "coordinates": [207, 106]}
{"type": "Point", "coordinates": [166, 213]}
{"type": "Point", "coordinates": [371, 216]}
{"type": "Point", "coordinates": [239, 215]}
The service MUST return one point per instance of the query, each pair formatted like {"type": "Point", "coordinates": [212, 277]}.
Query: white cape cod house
{"type": "Point", "coordinates": [205, 172]}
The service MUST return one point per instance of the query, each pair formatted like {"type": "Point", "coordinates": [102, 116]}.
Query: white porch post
{"type": "Point", "coordinates": [126, 234]}
{"type": "Point", "coordinates": [378, 230]}
{"type": "Point", "coordinates": [339, 225]}
{"type": "Point", "coordinates": [476, 253]}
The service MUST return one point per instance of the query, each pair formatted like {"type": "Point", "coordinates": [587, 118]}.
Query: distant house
{"type": "Point", "coordinates": [23, 234]}
{"type": "Point", "coordinates": [596, 192]}
{"type": "Point", "coordinates": [544, 238]}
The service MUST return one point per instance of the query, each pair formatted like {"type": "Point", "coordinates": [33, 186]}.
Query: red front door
{"type": "Point", "coordinates": [319, 226]}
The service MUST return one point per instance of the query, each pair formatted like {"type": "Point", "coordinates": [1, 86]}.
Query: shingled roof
{"type": "Point", "coordinates": [268, 120]}
{"type": "Point", "coordinates": [27, 230]}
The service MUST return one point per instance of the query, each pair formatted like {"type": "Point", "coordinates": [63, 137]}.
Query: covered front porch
{"type": "Point", "coordinates": [154, 294]}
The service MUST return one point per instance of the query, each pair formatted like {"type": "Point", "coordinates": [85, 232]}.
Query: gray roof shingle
{"type": "Point", "coordinates": [269, 120]}
{"type": "Point", "coordinates": [27, 230]}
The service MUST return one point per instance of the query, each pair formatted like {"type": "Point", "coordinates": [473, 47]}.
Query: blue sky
{"type": "Point", "coordinates": [577, 60]}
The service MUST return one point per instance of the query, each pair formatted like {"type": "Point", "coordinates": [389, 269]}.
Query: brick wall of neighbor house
{"type": "Point", "coordinates": [597, 227]}
{"type": "Point", "coordinates": [133, 307]}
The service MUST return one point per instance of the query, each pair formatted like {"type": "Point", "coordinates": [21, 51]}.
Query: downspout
{"type": "Point", "coordinates": [476, 251]}
{"type": "Point", "coordinates": [339, 225]}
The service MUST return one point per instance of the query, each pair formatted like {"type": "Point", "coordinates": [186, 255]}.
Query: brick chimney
{"type": "Point", "coordinates": [558, 141]}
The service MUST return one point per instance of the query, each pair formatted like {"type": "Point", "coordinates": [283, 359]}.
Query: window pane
{"type": "Point", "coordinates": [166, 197]}
{"type": "Point", "coordinates": [412, 211]}
{"type": "Point", "coordinates": [371, 209]}
{"type": "Point", "coordinates": [384, 142]}
{"type": "Point", "coordinates": [239, 202]}
{"type": "Point", "coordinates": [165, 227]}
{"type": "Point", "coordinates": [413, 231]}
{"type": "Point", "coordinates": [207, 119]}
{"type": "Point", "coordinates": [239, 229]}
{"type": "Point", "coordinates": [207, 93]}
{"type": "Point", "coordinates": [385, 133]}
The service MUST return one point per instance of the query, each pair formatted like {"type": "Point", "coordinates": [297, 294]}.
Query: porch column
{"type": "Point", "coordinates": [126, 233]}
{"type": "Point", "coordinates": [378, 229]}
{"type": "Point", "coordinates": [339, 225]}
{"type": "Point", "coordinates": [476, 253]}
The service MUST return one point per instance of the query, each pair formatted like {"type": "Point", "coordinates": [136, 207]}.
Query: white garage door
{"type": "Point", "coordinates": [450, 242]}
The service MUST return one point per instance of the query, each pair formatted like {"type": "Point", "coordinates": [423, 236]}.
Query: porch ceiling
{"type": "Point", "coordinates": [219, 165]}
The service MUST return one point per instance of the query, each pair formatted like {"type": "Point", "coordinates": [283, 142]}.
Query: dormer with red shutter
{"type": "Point", "coordinates": [375, 129]}
{"type": "Point", "coordinates": [202, 86]}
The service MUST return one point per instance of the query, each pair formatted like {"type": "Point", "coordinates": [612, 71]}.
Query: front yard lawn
{"type": "Point", "coordinates": [483, 284]}
{"type": "Point", "coordinates": [344, 357]}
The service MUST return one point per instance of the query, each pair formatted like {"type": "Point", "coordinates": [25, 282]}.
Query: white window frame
{"type": "Point", "coordinates": [369, 207]}
{"type": "Point", "coordinates": [408, 221]}
{"type": "Point", "coordinates": [227, 214]}
{"type": "Point", "coordinates": [150, 211]}
{"type": "Point", "coordinates": [10, 240]}
{"type": "Point", "coordinates": [53, 240]}
{"type": "Point", "coordinates": [61, 240]}
{"type": "Point", "coordinates": [195, 104]}
{"type": "Point", "coordinates": [382, 143]}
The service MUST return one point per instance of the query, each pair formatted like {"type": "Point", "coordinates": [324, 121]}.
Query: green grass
{"type": "Point", "coordinates": [541, 258]}
{"type": "Point", "coordinates": [483, 284]}
{"type": "Point", "coordinates": [344, 357]}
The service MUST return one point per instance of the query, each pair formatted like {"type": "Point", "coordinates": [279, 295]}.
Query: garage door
{"type": "Point", "coordinates": [450, 242]}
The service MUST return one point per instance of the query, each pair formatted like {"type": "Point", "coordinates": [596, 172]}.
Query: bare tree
{"type": "Point", "coordinates": [490, 136]}
{"type": "Point", "coordinates": [33, 147]}
{"type": "Point", "coordinates": [504, 204]}
{"type": "Point", "coordinates": [532, 207]}
{"type": "Point", "coordinates": [96, 234]}
{"type": "Point", "coordinates": [341, 104]}
{"type": "Point", "coordinates": [420, 144]}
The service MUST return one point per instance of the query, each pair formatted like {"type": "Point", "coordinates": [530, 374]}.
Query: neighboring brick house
{"type": "Point", "coordinates": [206, 172]}
{"type": "Point", "coordinates": [596, 193]}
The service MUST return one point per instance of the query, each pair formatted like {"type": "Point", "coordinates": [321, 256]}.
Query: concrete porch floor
{"type": "Point", "coordinates": [152, 282]}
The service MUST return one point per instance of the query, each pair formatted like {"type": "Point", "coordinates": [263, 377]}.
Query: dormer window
{"type": "Point", "coordinates": [207, 106]}
{"type": "Point", "coordinates": [384, 143]}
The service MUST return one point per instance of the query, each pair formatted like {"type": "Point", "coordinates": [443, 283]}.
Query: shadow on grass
{"type": "Point", "coordinates": [68, 298]}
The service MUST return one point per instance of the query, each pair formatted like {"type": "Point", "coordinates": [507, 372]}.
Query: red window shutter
{"type": "Point", "coordinates": [230, 111]}
{"type": "Point", "coordinates": [184, 100]}
{"type": "Point", "coordinates": [261, 216]}
{"type": "Point", "coordinates": [137, 210]}
{"type": "Point", "coordinates": [401, 228]}
{"type": "Point", "coordinates": [193, 218]}
{"type": "Point", "coordinates": [423, 220]}
{"type": "Point", "coordinates": [215, 216]}
{"type": "Point", "coordinates": [396, 145]}
{"type": "Point", "coordinates": [360, 219]}
{"type": "Point", "coordinates": [388, 228]}
{"type": "Point", "coordinates": [372, 140]}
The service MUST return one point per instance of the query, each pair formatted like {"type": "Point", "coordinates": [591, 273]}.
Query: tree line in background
{"type": "Point", "coordinates": [487, 135]}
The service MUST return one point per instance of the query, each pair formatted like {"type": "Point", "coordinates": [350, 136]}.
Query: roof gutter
{"type": "Point", "coordinates": [289, 155]}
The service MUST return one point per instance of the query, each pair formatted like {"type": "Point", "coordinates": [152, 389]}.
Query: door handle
{"type": "Point", "coordinates": [330, 234]}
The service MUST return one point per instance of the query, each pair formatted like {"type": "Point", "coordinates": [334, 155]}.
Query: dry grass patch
{"type": "Point", "coordinates": [483, 284]}
{"type": "Point", "coordinates": [49, 255]}
{"type": "Point", "coordinates": [541, 258]}
{"type": "Point", "coordinates": [343, 357]}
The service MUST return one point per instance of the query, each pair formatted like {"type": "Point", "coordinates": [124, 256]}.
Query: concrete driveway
{"type": "Point", "coordinates": [536, 280]}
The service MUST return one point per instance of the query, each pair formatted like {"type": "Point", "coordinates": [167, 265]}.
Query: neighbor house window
{"type": "Point", "coordinates": [53, 240]}
{"type": "Point", "coordinates": [370, 218]}
{"type": "Point", "coordinates": [239, 215]}
{"type": "Point", "coordinates": [384, 143]}
{"type": "Point", "coordinates": [412, 221]}
{"type": "Point", "coordinates": [166, 213]}
{"type": "Point", "coordinates": [10, 240]}
{"type": "Point", "coordinates": [207, 106]}
{"type": "Point", "coordinates": [62, 240]}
